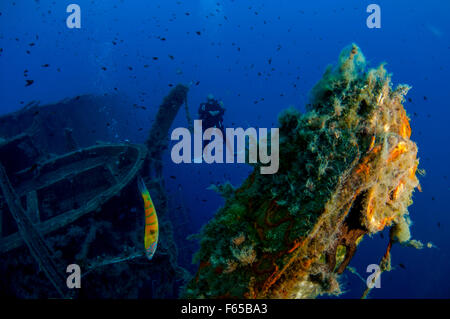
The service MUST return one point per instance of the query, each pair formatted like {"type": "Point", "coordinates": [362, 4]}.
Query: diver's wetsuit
{"type": "Point", "coordinates": [211, 113]}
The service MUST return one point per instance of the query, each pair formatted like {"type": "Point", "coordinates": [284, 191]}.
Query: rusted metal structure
{"type": "Point", "coordinates": [54, 205]}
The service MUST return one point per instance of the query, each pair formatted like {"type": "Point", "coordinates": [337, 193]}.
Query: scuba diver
{"type": "Point", "coordinates": [211, 113]}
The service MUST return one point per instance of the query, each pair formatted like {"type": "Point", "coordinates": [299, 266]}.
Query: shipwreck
{"type": "Point", "coordinates": [59, 209]}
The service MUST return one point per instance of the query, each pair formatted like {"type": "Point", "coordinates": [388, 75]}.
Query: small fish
{"type": "Point", "coordinates": [151, 232]}
{"type": "Point", "coordinates": [402, 266]}
{"type": "Point", "coordinates": [29, 82]}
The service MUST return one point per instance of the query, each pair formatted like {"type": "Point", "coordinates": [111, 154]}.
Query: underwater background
{"type": "Point", "coordinates": [259, 58]}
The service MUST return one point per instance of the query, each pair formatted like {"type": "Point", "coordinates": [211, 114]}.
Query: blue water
{"type": "Point", "coordinates": [226, 46]}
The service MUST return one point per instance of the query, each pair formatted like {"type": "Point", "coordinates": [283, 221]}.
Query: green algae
{"type": "Point", "coordinates": [253, 234]}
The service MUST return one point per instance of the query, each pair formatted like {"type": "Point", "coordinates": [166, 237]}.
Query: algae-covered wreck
{"type": "Point", "coordinates": [347, 169]}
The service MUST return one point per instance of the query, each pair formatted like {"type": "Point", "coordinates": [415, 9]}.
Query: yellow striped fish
{"type": "Point", "coordinates": [151, 221]}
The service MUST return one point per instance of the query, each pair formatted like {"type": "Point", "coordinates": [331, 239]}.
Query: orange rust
{"type": "Point", "coordinates": [405, 129]}
{"type": "Point", "coordinates": [385, 221]}
{"type": "Point", "coordinates": [397, 151]}
{"type": "Point", "coordinates": [413, 171]}
{"type": "Point", "coordinates": [370, 207]}
{"type": "Point", "coordinates": [297, 244]}
{"type": "Point", "coordinates": [376, 149]}
{"type": "Point", "coordinates": [307, 263]}
{"type": "Point", "coordinates": [372, 143]}
{"type": "Point", "coordinates": [398, 189]}
{"type": "Point", "coordinates": [271, 280]}
{"type": "Point", "coordinates": [363, 168]}
{"type": "Point", "coordinates": [277, 274]}
{"type": "Point", "coordinates": [250, 295]}
{"type": "Point", "coordinates": [388, 250]}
